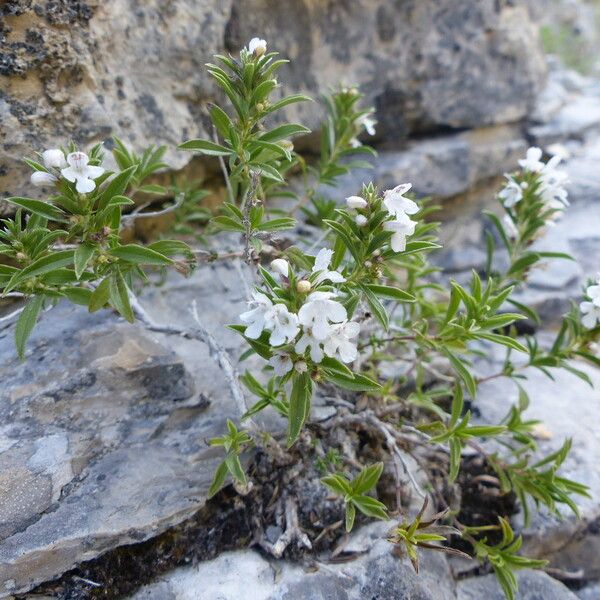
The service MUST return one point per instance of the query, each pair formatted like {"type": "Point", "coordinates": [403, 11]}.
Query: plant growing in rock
{"type": "Point", "coordinates": [325, 317]}
{"type": "Point", "coordinates": [68, 245]}
{"type": "Point", "coordinates": [323, 321]}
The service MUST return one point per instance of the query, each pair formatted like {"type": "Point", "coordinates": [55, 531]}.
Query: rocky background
{"type": "Point", "coordinates": [103, 458]}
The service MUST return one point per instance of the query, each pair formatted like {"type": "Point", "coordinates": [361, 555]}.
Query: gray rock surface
{"type": "Point", "coordinates": [533, 585]}
{"type": "Point", "coordinates": [569, 408]}
{"type": "Point", "coordinates": [103, 435]}
{"type": "Point", "coordinates": [374, 574]}
{"type": "Point", "coordinates": [89, 69]}
{"type": "Point", "coordinates": [443, 167]}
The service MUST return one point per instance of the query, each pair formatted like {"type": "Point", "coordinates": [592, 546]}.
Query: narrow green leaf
{"type": "Point", "coordinates": [26, 323]}
{"type": "Point", "coordinates": [39, 207]}
{"type": "Point", "coordinates": [299, 406]}
{"type": "Point", "coordinates": [140, 255]}
{"type": "Point", "coordinates": [205, 147]}
{"type": "Point", "coordinates": [119, 296]}
{"type": "Point", "coordinates": [82, 257]}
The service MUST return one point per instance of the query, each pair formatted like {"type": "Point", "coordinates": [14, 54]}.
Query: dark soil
{"type": "Point", "coordinates": [230, 520]}
{"type": "Point", "coordinates": [227, 521]}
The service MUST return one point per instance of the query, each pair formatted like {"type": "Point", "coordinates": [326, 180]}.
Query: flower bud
{"type": "Point", "coordinates": [41, 178]}
{"type": "Point", "coordinates": [303, 286]}
{"type": "Point", "coordinates": [257, 46]}
{"type": "Point", "coordinates": [54, 158]}
{"type": "Point", "coordinates": [280, 266]}
{"type": "Point", "coordinates": [20, 256]}
{"type": "Point", "coordinates": [361, 220]}
{"type": "Point", "coordinates": [301, 366]}
{"type": "Point", "coordinates": [356, 202]}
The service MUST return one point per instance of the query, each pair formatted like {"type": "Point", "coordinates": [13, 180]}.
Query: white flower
{"type": "Point", "coordinates": [402, 227]}
{"type": "Point", "coordinates": [591, 314]}
{"type": "Point", "coordinates": [280, 266]}
{"type": "Point", "coordinates": [283, 323]}
{"type": "Point", "coordinates": [532, 161]}
{"type": "Point", "coordinates": [510, 227]}
{"type": "Point", "coordinates": [54, 158]}
{"type": "Point", "coordinates": [368, 122]}
{"type": "Point", "coordinates": [552, 184]}
{"type": "Point", "coordinates": [511, 194]}
{"type": "Point", "coordinates": [360, 220]}
{"type": "Point", "coordinates": [397, 204]}
{"type": "Point", "coordinates": [355, 202]}
{"type": "Point", "coordinates": [309, 341]}
{"type": "Point", "coordinates": [257, 46]}
{"type": "Point", "coordinates": [281, 364]}
{"type": "Point", "coordinates": [321, 267]}
{"type": "Point", "coordinates": [316, 313]}
{"type": "Point", "coordinates": [256, 318]}
{"type": "Point", "coordinates": [593, 292]}
{"type": "Point", "coordinates": [41, 178]}
{"type": "Point", "coordinates": [80, 172]}
{"type": "Point", "coordinates": [339, 342]}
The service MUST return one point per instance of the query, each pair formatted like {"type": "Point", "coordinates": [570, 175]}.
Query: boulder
{"type": "Point", "coordinates": [87, 70]}
{"type": "Point", "coordinates": [105, 427]}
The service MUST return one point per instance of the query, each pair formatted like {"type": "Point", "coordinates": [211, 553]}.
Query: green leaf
{"type": "Point", "coordinates": [455, 453]}
{"type": "Point", "coordinates": [377, 308]}
{"type": "Point", "coordinates": [277, 224]}
{"type": "Point", "coordinates": [26, 323]}
{"type": "Point", "coordinates": [53, 261]}
{"type": "Point", "coordinates": [358, 383]}
{"type": "Point", "coordinates": [367, 478]}
{"type": "Point", "coordinates": [332, 364]}
{"type": "Point", "coordinates": [119, 296]}
{"type": "Point", "coordinates": [221, 121]}
{"type": "Point", "coordinates": [337, 483]}
{"type": "Point", "coordinates": [504, 340]}
{"type": "Point", "coordinates": [283, 132]}
{"type": "Point", "coordinates": [227, 223]}
{"type": "Point", "coordinates": [78, 295]}
{"type": "Point", "coordinates": [462, 371]}
{"type": "Point", "coordinates": [116, 187]}
{"type": "Point", "coordinates": [391, 292]}
{"type": "Point", "coordinates": [218, 479]}
{"type": "Point", "coordinates": [299, 406]}
{"type": "Point", "coordinates": [100, 296]}
{"type": "Point", "coordinates": [39, 207]}
{"type": "Point", "coordinates": [350, 516]}
{"type": "Point", "coordinates": [370, 507]}
{"type": "Point", "coordinates": [286, 101]}
{"type": "Point", "coordinates": [235, 468]}
{"type": "Point", "coordinates": [140, 255]}
{"type": "Point", "coordinates": [205, 147]}
{"type": "Point", "coordinates": [82, 257]}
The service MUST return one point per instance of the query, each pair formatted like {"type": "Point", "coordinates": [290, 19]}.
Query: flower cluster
{"type": "Point", "coordinates": [549, 183]}
{"type": "Point", "coordinates": [590, 309]}
{"type": "Point", "coordinates": [74, 168]}
{"type": "Point", "coordinates": [307, 318]}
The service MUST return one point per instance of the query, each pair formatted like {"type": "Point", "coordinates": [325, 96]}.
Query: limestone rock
{"type": "Point", "coordinates": [87, 70]}
{"type": "Point", "coordinates": [376, 573]}
{"type": "Point", "coordinates": [569, 408]}
{"type": "Point", "coordinates": [104, 429]}
{"type": "Point", "coordinates": [533, 585]}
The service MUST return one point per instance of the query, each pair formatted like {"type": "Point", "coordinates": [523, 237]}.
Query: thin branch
{"type": "Point", "coordinates": [137, 214]}
{"type": "Point", "coordinates": [202, 335]}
